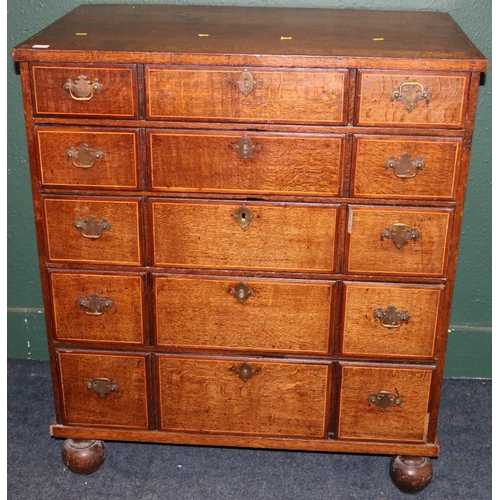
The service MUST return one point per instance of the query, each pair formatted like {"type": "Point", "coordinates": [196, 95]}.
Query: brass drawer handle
{"type": "Point", "coordinates": [391, 317]}
{"type": "Point", "coordinates": [405, 167]}
{"type": "Point", "coordinates": [384, 399]}
{"type": "Point", "coordinates": [102, 386]}
{"type": "Point", "coordinates": [246, 147]}
{"type": "Point", "coordinates": [83, 156]}
{"type": "Point", "coordinates": [245, 371]}
{"type": "Point", "coordinates": [94, 305]}
{"type": "Point", "coordinates": [410, 93]}
{"type": "Point", "coordinates": [92, 228]}
{"type": "Point", "coordinates": [241, 292]}
{"type": "Point", "coordinates": [243, 216]}
{"type": "Point", "coordinates": [400, 234]}
{"type": "Point", "coordinates": [82, 89]}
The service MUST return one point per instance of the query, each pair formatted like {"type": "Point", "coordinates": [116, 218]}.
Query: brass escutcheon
{"type": "Point", "coordinates": [83, 156]}
{"type": "Point", "coordinates": [245, 371]}
{"type": "Point", "coordinates": [384, 399]}
{"type": "Point", "coordinates": [391, 317]}
{"type": "Point", "coordinates": [400, 234]}
{"type": "Point", "coordinates": [102, 386]}
{"type": "Point", "coordinates": [245, 82]}
{"type": "Point", "coordinates": [410, 93]}
{"type": "Point", "coordinates": [241, 292]}
{"type": "Point", "coordinates": [94, 305]}
{"type": "Point", "coordinates": [243, 216]}
{"type": "Point", "coordinates": [92, 228]}
{"type": "Point", "coordinates": [245, 147]}
{"type": "Point", "coordinates": [405, 167]}
{"type": "Point", "coordinates": [82, 89]}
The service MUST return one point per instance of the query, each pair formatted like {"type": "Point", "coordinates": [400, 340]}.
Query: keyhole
{"type": "Point", "coordinates": [245, 83]}
{"type": "Point", "coordinates": [243, 216]}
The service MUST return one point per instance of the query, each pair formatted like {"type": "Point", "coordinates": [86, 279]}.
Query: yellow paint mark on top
{"type": "Point", "coordinates": [377, 39]}
{"type": "Point", "coordinates": [80, 34]}
{"type": "Point", "coordinates": [203, 34]}
{"type": "Point", "coordinates": [286, 38]}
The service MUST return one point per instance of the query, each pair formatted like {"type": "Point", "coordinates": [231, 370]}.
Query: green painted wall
{"type": "Point", "coordinates": [469, 347]}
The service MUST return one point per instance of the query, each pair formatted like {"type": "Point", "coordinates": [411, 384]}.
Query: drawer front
{"type": "Point", "coordinates": [88, 158]}
{"type": "Point", "coordinates": [253, 236]}
{"type": "Point", "coordinates": [390, 320]}
{"type": "Point", "coordinates": [244, 315]}
{"type": "Point", "coordinates": [99, 308]}
{"type": "Point", "coordinates": [406, 167]}
{"type": "Point", "coordinates": [419, 99]}
{"type": "Point", "coordinates": [251, 162]}
{"type": "Point", "coordinates": [384, 403]}
{"type": "Point", "coordinates": [93, 230]}
{"type": "Point", "coordinates": [254, 94]}
{"type": "Point", "coordinates": [271, 398]}
{"type": "Point", "coordinates": [104, 389]}
{"type": "Point", "coordinates": [91, 90]}
{"type": "Point", "coordinates": [398, 241]}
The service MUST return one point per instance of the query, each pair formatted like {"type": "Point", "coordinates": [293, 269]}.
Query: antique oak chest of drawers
{"type": "Point", "coordinates": [248, 222]}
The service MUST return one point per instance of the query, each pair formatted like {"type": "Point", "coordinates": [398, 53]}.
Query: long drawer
{"type": "Point", "coordinates": [294, 237]}
{"type": "Point", "coordinates": [243, 396]}
{"type": "Point", "coordinates": [246, 94]}
{"type": "Point", "coordinates": [245, 315]}
{"type": "Point", "coordinates": [246, 162]}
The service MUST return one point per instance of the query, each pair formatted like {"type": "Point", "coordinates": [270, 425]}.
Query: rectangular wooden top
{"type": "Point", "coordinates": [258, 36]}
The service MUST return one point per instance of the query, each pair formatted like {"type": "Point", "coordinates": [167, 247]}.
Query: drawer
{"type": "Point", "coordinates": [253, 162]}
{"type": "Point", "coordinates": [245, 315]}
{"type": "Point", "coordinates": [92, 230]}
{"type": "Point", "coordinates": [246, 94]}
{"type": "Point", "coordinates": [86, 157]}
{"type": "Point", "coordinates": [104, 389]}
{"type": "Point", "coordinates": [406, 167]}
{"type": "Point", "coordinates": [390, 320]}
{"type": "Point", "coordinates": [398, 240]}
{"type": "Point", "coordinates": [86, 90]}
{"type": "Point", "coordinates": [420, 99]}
{"type": "Point", "coordinates": [384, 403]}
{"type": "Point", "coordinates": [239, 236]}
{"type": "Point", "coordinates": [237, 396]}
{"type": "Point", "coordinates": [103, 308]}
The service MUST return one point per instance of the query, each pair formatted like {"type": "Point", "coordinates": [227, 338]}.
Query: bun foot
{"type": "Point", "coordinates": [83, 456]}
{"type": "Point", "coordinates": [410, 474]}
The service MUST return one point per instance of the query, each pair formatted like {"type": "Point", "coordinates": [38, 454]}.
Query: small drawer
{"type": "Point", "coordinates": [421, 99]}
{"type": "Point", "coordinates": [240, 162]}
{"type": "Point", "coordinates": [246, 94]}
{"type": "Point", "coordinates": [398, 241]}
{"type": "Point", "coordinates": [244, 236]}
{"type": "Point", "coordinates": [93, 230]}
{"type": "Point", "coordinates": [97, 308]}
{"type": "Point", "coordinates": [86, 158]}
{"type": "Point", "coordinates": [104, 389]}
{"type": "Point", "coordinates": [249, 315]}
{"type": "Point", "coordinates": [390, 320]}
{"type": "Point", "coordinates": [405, 167]}
{"type": "Point", "coordinates": [384, 403]}
{"type": "Point", "coordinates": [243, 396]}
{"type": "Point", "coordinates": [86, 90]}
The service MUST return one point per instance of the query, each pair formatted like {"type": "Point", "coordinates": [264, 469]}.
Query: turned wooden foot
{"type": "Point", "coordinates": [83, 456]}
{"type": "Point", "coordinates": [410, 474]}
